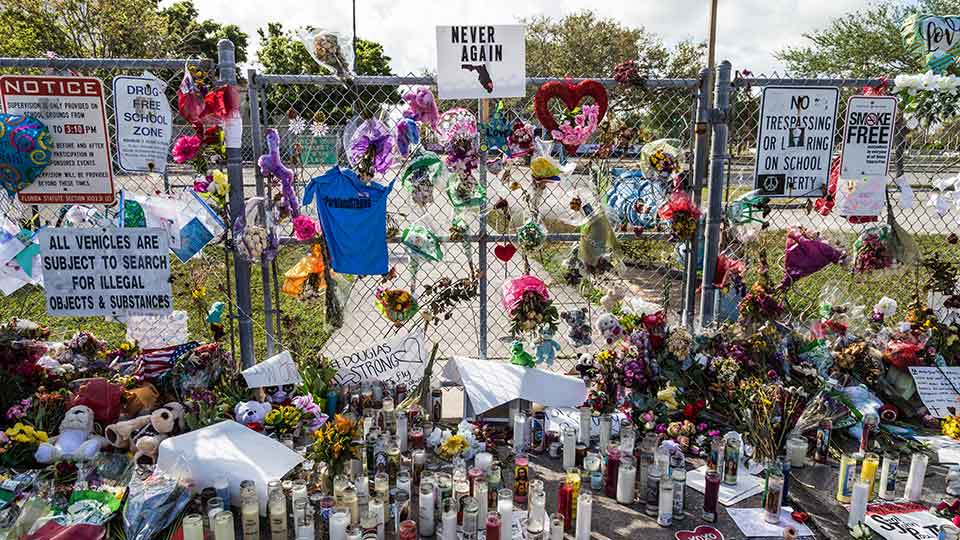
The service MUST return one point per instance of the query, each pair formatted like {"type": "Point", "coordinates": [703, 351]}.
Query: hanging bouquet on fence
{"type": "Point", "coordinates": [397, 305]}
{"type": "Point", "coordinates": [927, 99]}
{"type": "Point", "coordinates": [528, 302]}
{"type": "Point", "coordinates": [683, 215]}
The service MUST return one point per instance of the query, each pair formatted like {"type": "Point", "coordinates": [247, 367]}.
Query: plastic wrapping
{"type": "Point", "coordinates": [598, 244]}
{"type": "Point", "coordinates": [633, 200]}
{"type": "Point", "coordinates": [331, 50]}
{"type": "Point", "coordinates": [153, 503]}
{"type": "Point", "coordinates": [253, 234]}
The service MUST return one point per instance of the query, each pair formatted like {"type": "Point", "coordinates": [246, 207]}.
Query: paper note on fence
{"type": "Point", "coordinates": [401, 359]}
{"type": "Point", "coordinates": [274, 371]}
{"type": "Point", "coordinates": [937, 388]}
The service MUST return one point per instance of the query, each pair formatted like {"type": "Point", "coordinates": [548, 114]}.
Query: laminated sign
{"type": "Point", "coordinates": [865, 157]}
{"type": "Point", "coordinates": [795, 140]}
{"type": "Point", "coordinates": [481, 61]}
{"type": "Point", "coordinates": [72, 108]}
{"type": "Point", "coordinates": [102, 271]}
{"type": "Point", "coordinates": [143, 123]}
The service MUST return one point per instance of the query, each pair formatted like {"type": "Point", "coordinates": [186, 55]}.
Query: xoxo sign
{"type": "Point", "coordinates": [703, 532]}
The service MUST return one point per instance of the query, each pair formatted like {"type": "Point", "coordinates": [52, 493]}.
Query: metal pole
{"type": "Point", "coordinates": [700, 150]}
{"type": "Point", "coordinates": [253, 97]}
{"type": "Point", "coordinates": [233, 129]}
{"type": "Point", "coordinates": [482, 241]}
{"type": "Point", "coordinates": [715, 208]}
{"type": "Point", "coordinates": [354, 34]}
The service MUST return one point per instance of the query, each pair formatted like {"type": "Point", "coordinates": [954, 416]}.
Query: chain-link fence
{"type": "Point", "coordinates": [921, 156]}
{"type": "Point", "coordinates": [311, 113]}
{"type": "Point", "coordinates": [203, 280]}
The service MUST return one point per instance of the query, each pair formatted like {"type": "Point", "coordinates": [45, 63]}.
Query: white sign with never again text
{"type": "Point", "coordinates": [144, 123]}
{"type": "Point", "coordinates": [481, 61]}
{"type": "Point", "coordinates": [72, 108]}
{"type": "Point", "coordinates": [937, 388]}
{"type": "Point", "coordinates": [100, 271]}
{"type": "Point", "coordinates": [401, 359]}
{"type": "Point", "coordinates": [795, 140]}
{"type": "Point", "coordinates": [277, 370]}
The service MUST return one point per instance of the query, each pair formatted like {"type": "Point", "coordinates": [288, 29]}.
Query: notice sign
{"type": "Point", "coordinates": [102, 271]}
{"type": "Point", "coordinates": [937, 388]}
{"type": "Point", "coordinates": [904, 521]}
{"type": "Point", "coordinates": [402, 359]}
{"type": "Point", "coordinates": [868, 136]}
{"type": "Point", "coordinates": [143, 123]}
{"type": "Point", "coordinates": [81, 171]}
{"type": "Point", "coordinates": [481, 61]}
{"type": "Point", "coordinates": [795, 140]}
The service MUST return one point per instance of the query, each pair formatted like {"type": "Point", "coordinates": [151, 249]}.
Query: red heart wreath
{"type": "Point", "coordinates": [571, 95]}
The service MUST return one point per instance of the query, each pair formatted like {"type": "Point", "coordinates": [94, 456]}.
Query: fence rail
{"type": "Point", "coordinates": [304, 108]}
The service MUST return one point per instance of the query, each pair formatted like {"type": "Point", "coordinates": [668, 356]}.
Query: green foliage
{"type": "Point", "coordinates": [864, 43]}
{"type": "Point", "coordinates": [111, 29]}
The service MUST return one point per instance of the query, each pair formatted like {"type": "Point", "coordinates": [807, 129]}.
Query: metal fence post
{"type": "Point", "coordinates": [253, 99]}
{"type": "Point", "coordinates": [718, 164]}
{"type": "Point", "coordinates": [482, 243]}
{"type": "Point", "coordinates": [700, 151]}
{"type": "Point", "coordinates": [226, 62]}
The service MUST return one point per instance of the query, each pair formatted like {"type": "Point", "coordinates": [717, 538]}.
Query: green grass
{"type": "Point", "coordinates": [303, 331]}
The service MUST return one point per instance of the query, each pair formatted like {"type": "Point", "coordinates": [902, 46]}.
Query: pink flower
{"type": "Point", "coordinates": [186, 148]}
{"type": "Point", "coordinates": [200, 185]}
{"type": "Point", "coordinates": [304, 228]}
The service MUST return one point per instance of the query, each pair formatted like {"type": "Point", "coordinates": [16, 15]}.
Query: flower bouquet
{"type": "Point", "coordinates": [451, 446]}
{"type": "Point", "coordinates": [682, 214]}
{"type": "Point", "coordinates": [531, 235]}
{"type": "Point", "coordinates": [806, 253]}
{"type": "Point", "coordinates": [871, 251]}
{"type": "Point", "coordinates": [370, 149]}
{"type": "Point", "coordinates": [334, 442]}
{"type": "Point", "coordinates": [397, 305]}
{"type": "Point", "coordinates": [284, 420]}
{"type": "Point", "coordinates": [528, 302]}
{"type": "Point", "coordinates": [18, 444]}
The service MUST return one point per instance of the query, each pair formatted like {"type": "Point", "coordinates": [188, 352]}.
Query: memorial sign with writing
{"type": "Point", "coordinates": [277, 370]}
{"type": "Point", "coordinates": [481, 61]}
{"type": "Point", "coordinates": [401, 359]}
{"type": "Point", "coordinates": [103, 271]}
{"type": "Point", "coordinates": [937, 388]}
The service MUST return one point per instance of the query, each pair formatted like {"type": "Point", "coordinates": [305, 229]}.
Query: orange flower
{"type": "Point", "coordinates": [342, 423]}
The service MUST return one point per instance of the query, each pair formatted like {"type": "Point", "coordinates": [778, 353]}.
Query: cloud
{"type": "Point", "coordinates": [749, 31]}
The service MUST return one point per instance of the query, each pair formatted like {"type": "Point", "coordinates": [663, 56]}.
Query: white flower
{"type": "Point", "coordinates": [48, 363]}
{"type": "Point", "coordinates": [435, 437]}
{"type": "Point", "coordinates": [886, 306]}
{"type": "Point", "coordinates": [297, 126]}
{"type": "Point", "coordinates": [319, 129]}
{"type": "Point", "coordinates": [928, 81]}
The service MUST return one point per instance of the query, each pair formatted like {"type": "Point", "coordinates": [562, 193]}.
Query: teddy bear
{"type": "Point", "coordinates": [610, 328]}
{"type": "Point", "coordinates": [547, 347]}
{"type": "Point", "coordinates": [251, 412]}
{"type": "Point", "coordinates": [579, 333]}
{"type": "Point", "coordinates": [76, 441]}
{"type": "Point", "coordinates": [164, 422]}
{"type": "Point", "coordinates": [612, 298]}
{"type": "Point", "coordinates": [520, 357]}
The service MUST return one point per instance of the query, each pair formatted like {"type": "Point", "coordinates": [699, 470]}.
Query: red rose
{"type": "Point", "coordinates": [689, 411]}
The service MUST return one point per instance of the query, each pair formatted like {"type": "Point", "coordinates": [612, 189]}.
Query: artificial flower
{"type": "Point", "coordinates": [186, 148]}
{"type": "Point", "coordinates": [304, 228]}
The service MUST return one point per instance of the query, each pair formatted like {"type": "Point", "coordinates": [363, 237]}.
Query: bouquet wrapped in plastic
{"type": "Point", "coordinates": [331, 50]}
{"type": "Point", "coordinates": [153, 502]}
{"type": "Point", "coordinates": [632, 200]}
{"type": "Point", "coordinates": [870, 250]}
{"type": "Point", "coordinates": [420, 176]}
{"type": "Point", "coordinates": [683, 214]}
{"type": "Point", "coordinates": [806, 253]}
{"type": "Point", "coordinates": [528, 302]}
{"type": "Point", "coordinates": [397, 305]}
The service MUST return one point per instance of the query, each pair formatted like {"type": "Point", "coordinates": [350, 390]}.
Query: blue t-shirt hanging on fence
{"type": "Point", "coordinates": [353, 216]}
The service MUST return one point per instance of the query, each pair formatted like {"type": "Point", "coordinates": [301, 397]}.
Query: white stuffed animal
{"type": "Point", "coordinates": [613, 297]}
{"type": "Point", "coordinates": [251, 412]}
{"type": "Point", "coordinates": [610, 328]}
{"type": "Point", "coordinates": [76, 441]}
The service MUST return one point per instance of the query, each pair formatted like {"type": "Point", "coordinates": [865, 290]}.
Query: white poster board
{"type": "Point", "coordinates": [81, 171]}
{"type": "Point", "coordinates": [277, 370]}
{"type": "Point", "coordinates": [100, 271]}
{"type": "Point", "coordinates": [481, 61]}
{"type": "Point", "coordinates": [904, 521]}
{"type": "Point", "coordinates": [937, 388]}
{"type": "Point", "coordinates": [401, 359]}
{"type": "Point", "coordinates": [144, 123]}
{"type": "Point", "coordinates": [489, 384]}
{"type": "Point", "coordinates": [795, 140]}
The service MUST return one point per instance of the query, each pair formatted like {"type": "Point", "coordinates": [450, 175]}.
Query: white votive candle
{"type": "Point", "coordinates": [858, 503]}
{"type": "Point", "coordinates": [918, 470]}
{"type": "Point", "coordinates": [584, 514]}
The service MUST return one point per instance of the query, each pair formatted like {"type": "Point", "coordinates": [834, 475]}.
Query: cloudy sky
{"type": "Point", "coordinates": [749, 30]}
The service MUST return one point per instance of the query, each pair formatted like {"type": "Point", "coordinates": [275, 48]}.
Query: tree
{"type": "Point", "coordinates": [585, 45]}
{"type": "Point", "coordinates": [282, 52]}
{"type": "Point", "coordinates": [195, 38]}
{"type": "Point", "coordinates": [111, 29]}
{"type": "Point", "coordinates": [865, 43]}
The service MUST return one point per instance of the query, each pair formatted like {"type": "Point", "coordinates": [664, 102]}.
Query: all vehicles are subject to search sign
{"type": "Point", "coordinates": [795, 140]}
{"type": "Point", "coordinates": [72, 108]}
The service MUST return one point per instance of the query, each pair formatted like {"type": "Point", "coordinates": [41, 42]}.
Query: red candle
{"type": "Point", "coordinates": [408, 530]}
{"type": "Point", "coordinates": [613, 472]}
{"type": "Point", "coordinates": [415, 438]}
{"type": "Point", "coordinates": [493, 526]}
{"type": "Point", "coordinates": [565, 505]}
{"type": "Point", "coordinates": [472, 474]}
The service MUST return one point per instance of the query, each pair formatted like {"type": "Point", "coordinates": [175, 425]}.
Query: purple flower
{"type": "Point", "coordinates": [372, 136]}
{"type": "Point", "coordinates": [701, 426]}
{"type": "Point", "coordinates": [661, 428]}
{"type": "Point", "coordinates": [713, 433]}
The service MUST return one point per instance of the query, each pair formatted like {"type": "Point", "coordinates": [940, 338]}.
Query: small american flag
{"type": "Point", "coordinates": [155, 363]}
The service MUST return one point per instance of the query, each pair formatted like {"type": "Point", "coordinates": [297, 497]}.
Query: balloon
{"type": "Point", "coordinates": [25, 151]}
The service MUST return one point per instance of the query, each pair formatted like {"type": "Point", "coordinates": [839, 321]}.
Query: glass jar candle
{"type": "Point", "coordinates": [278, 516]}
{"type": "Point", "coordinates": [731, 458]}
{"type": "Point", "coordinates": [469, 508]}
{"type": "Point", "coordinates": [519, 432]}
{"type": "Point", "coordinates": [773, 494]}
{"type": "Point", "coordinates": [711, 496]}
{"type": "Point", "coordinates": [572, 478]}
{"type": "Point", "coordinates": [821, 447]}
{"type": "Point", "coordinates": [556, 526]}
{"type": "Point", "coordinates": [193, 527]}
{"type": "Point", "coordinates": [918, 469]}
{"type": "Point", "coordinates": [492, 526]}
{"type": "Point", "coordinates": [888, 475]}
{"type": "Point", "coordinates": [606, 427]}
{"type": "Point", "coordinates": [564, 507]}
{"type": "Point", "coordinates": [584, 516]}
{"type": "Point", "coordinates": [408, 530]}
{"type": "Point", "coordinates": [223, 526]}
{"type": "Point", "coordinates": [353, 504]}
{"type": "Point", "coordinates": [538, 505]}
{"type": "Point", "coordinates": [419, 459]}
{"type": "Point", "coordinates": [339, 522]}
{"type": "Point", "coordinates": [505, 505]}
{"type": "Point", "coordinates": [404, 482]}
{"type": "Point", "coordinates": [591, 464]}
{"type": "Point", "coordinates": [656, 475]}
{"type": "Point", "coordinates": [612, 472]}
{"type": "Point", "coordinates": [797, 452]}
{"type": "Point", "coordinates": [482, 494]}
{"type": "Point", "coordinates": [628, 439]}
{"type": "Point", "coordinates": [415, 438]}
{"type": "Point", "coordinates": [427, 507]}
{"type": "Point", "coordinates": [521, 478]}
{"type": "Point", "coordinates": [569, 447]}
{"type": "Point", "coordinates": [868, 472]}
{"type": "Point", "coordinates": [870, 423]}
{"type": "Point", "coordinates": [665, 500]}
{"type": "Point", "coordinates": [474, 474]}
{"type": "Point", "coordinates": [846, 478]}
{"type": "Point", "coordinates": [249, 510]}
{"type": "Point", "coordinates": [586, 424]}
{"type": "Point", "coordinates": [626, 480]}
